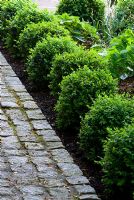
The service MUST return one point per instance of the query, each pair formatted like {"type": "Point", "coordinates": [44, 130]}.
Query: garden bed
{"type": "Point", "coordinates": [46, 103]}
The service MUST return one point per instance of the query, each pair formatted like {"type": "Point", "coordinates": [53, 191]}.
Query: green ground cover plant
{"type": "Point", "coordinates": [78, 90]}
{"type": "Point", "coordinates": [118, 161]}
{"type": "Point", "coordinates": [35, 32]}
{"type": "Point", "coordinates": [106, 112]}
{"type": "Point", "coordinates": [40, 60]}
{"type": "Point", "coordinates": [65, 64]}
{"type": "Point", "coordinates": [88, 10]}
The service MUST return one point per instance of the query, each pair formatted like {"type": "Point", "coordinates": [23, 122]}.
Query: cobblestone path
{"type": "Point", "coordinates": [34, 164]}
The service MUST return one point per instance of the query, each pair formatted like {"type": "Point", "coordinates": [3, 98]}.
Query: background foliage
{"type": "Point", "coordinates": [88, 10]}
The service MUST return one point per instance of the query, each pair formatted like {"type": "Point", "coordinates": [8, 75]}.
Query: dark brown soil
{"type": "Point", "coordinates": [46, 102]}
{"type": "Point", "coordinates": [127, 85]}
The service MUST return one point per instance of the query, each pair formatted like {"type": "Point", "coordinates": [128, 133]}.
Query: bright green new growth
{"type": "Point", "coordinates": [107, 111]}
{"type": "Point", "coordinates": [78, 90]}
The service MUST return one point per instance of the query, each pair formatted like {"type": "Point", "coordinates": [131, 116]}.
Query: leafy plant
{"type": "Point", "coordinates": [82, 32]}
{"type": "Point", "coordinates": [118, 161]}
{"type": "Point", "coordinates": [20, 21]}
{"type": "Point", "coordinates": [78, 90]}
{"type": "Point", "coordinates": [36, 32]}
{"type": "Point", "coordinates": [66, 63]}
{"type": "Point", "coordinates": [40, 60]}
{"type": "Point", "coordinates": [124, 16]}
{"type": "Point", "coordinates": [106, 112]}
{"type": "Point", "coordinates": [121, 55]}
{"type": "Point", "coordinates": [89, 10]}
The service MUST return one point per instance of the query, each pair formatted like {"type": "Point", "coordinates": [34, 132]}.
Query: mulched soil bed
{"type": "Point", "coordinates": [46, 103]}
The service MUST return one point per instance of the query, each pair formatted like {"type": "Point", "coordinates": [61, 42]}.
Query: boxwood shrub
{"type": "Point", "coordinates": [8, 9]}
{"type": "Point", "coordinates": [40, 60]}
{"type": "Point", "coordinates": [89, 10]}
{"type": "Point", "coordinates": [82, 32]}
{"type": "Point", "coordinates": [121, 55]}
{"type": "Point", "coordinates": [78, 90]}
{"type": "Point", "coordinates": [66, 63]}
{"type": "Point", "coordinates": [20, 21]}
{"type": "Point", "coordinates": [37, 31]}
{"type": "Point", "coordinates": [106, 112]}
{"type": "Point", "coordinates": [118, 161]}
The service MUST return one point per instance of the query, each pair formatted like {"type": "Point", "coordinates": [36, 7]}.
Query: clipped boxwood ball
{"type": "Point", "coordinates": [66, 63]}
{"type": "Point", "coordinates": [106, 112]}
{"type": "Point", "coordinates": [8, 10]}
{"type": "Point", "coordinates": [40, 60]}
{"type": "Point", "coordinates": [20, 21]}
{"type": "Point", "coordinates": [36, 32]}
{"type": "Point", "coordinates": [118, 162]}
{"type": "Point", "coordinates": [78, 90]}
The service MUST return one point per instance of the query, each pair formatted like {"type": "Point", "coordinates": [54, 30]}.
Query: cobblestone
{"type": "Point", "coordinates": [76, 180]}
{"type": "Point", "coordinates": [41, 125]}
{"type": "Point", "coordinates": [34, 164]}
{"type": "Point", "coordinates": [61, 155]}
{"type": "Point", "coordinates": [89, 197]}
{"type": "Point", "coordinates": [54, 145]}
{"type": "Point", "coordinates": [8, 104]}
{"type": "Point", "coordinates": [70, 169]}
{"type": "Point", "coordinates": [35, 114]}
{"type": "Point", "coordinates": [85, 190]}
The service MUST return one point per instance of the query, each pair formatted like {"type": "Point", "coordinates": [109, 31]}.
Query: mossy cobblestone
{"type": "Point", "coordinates": [33, 161]}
